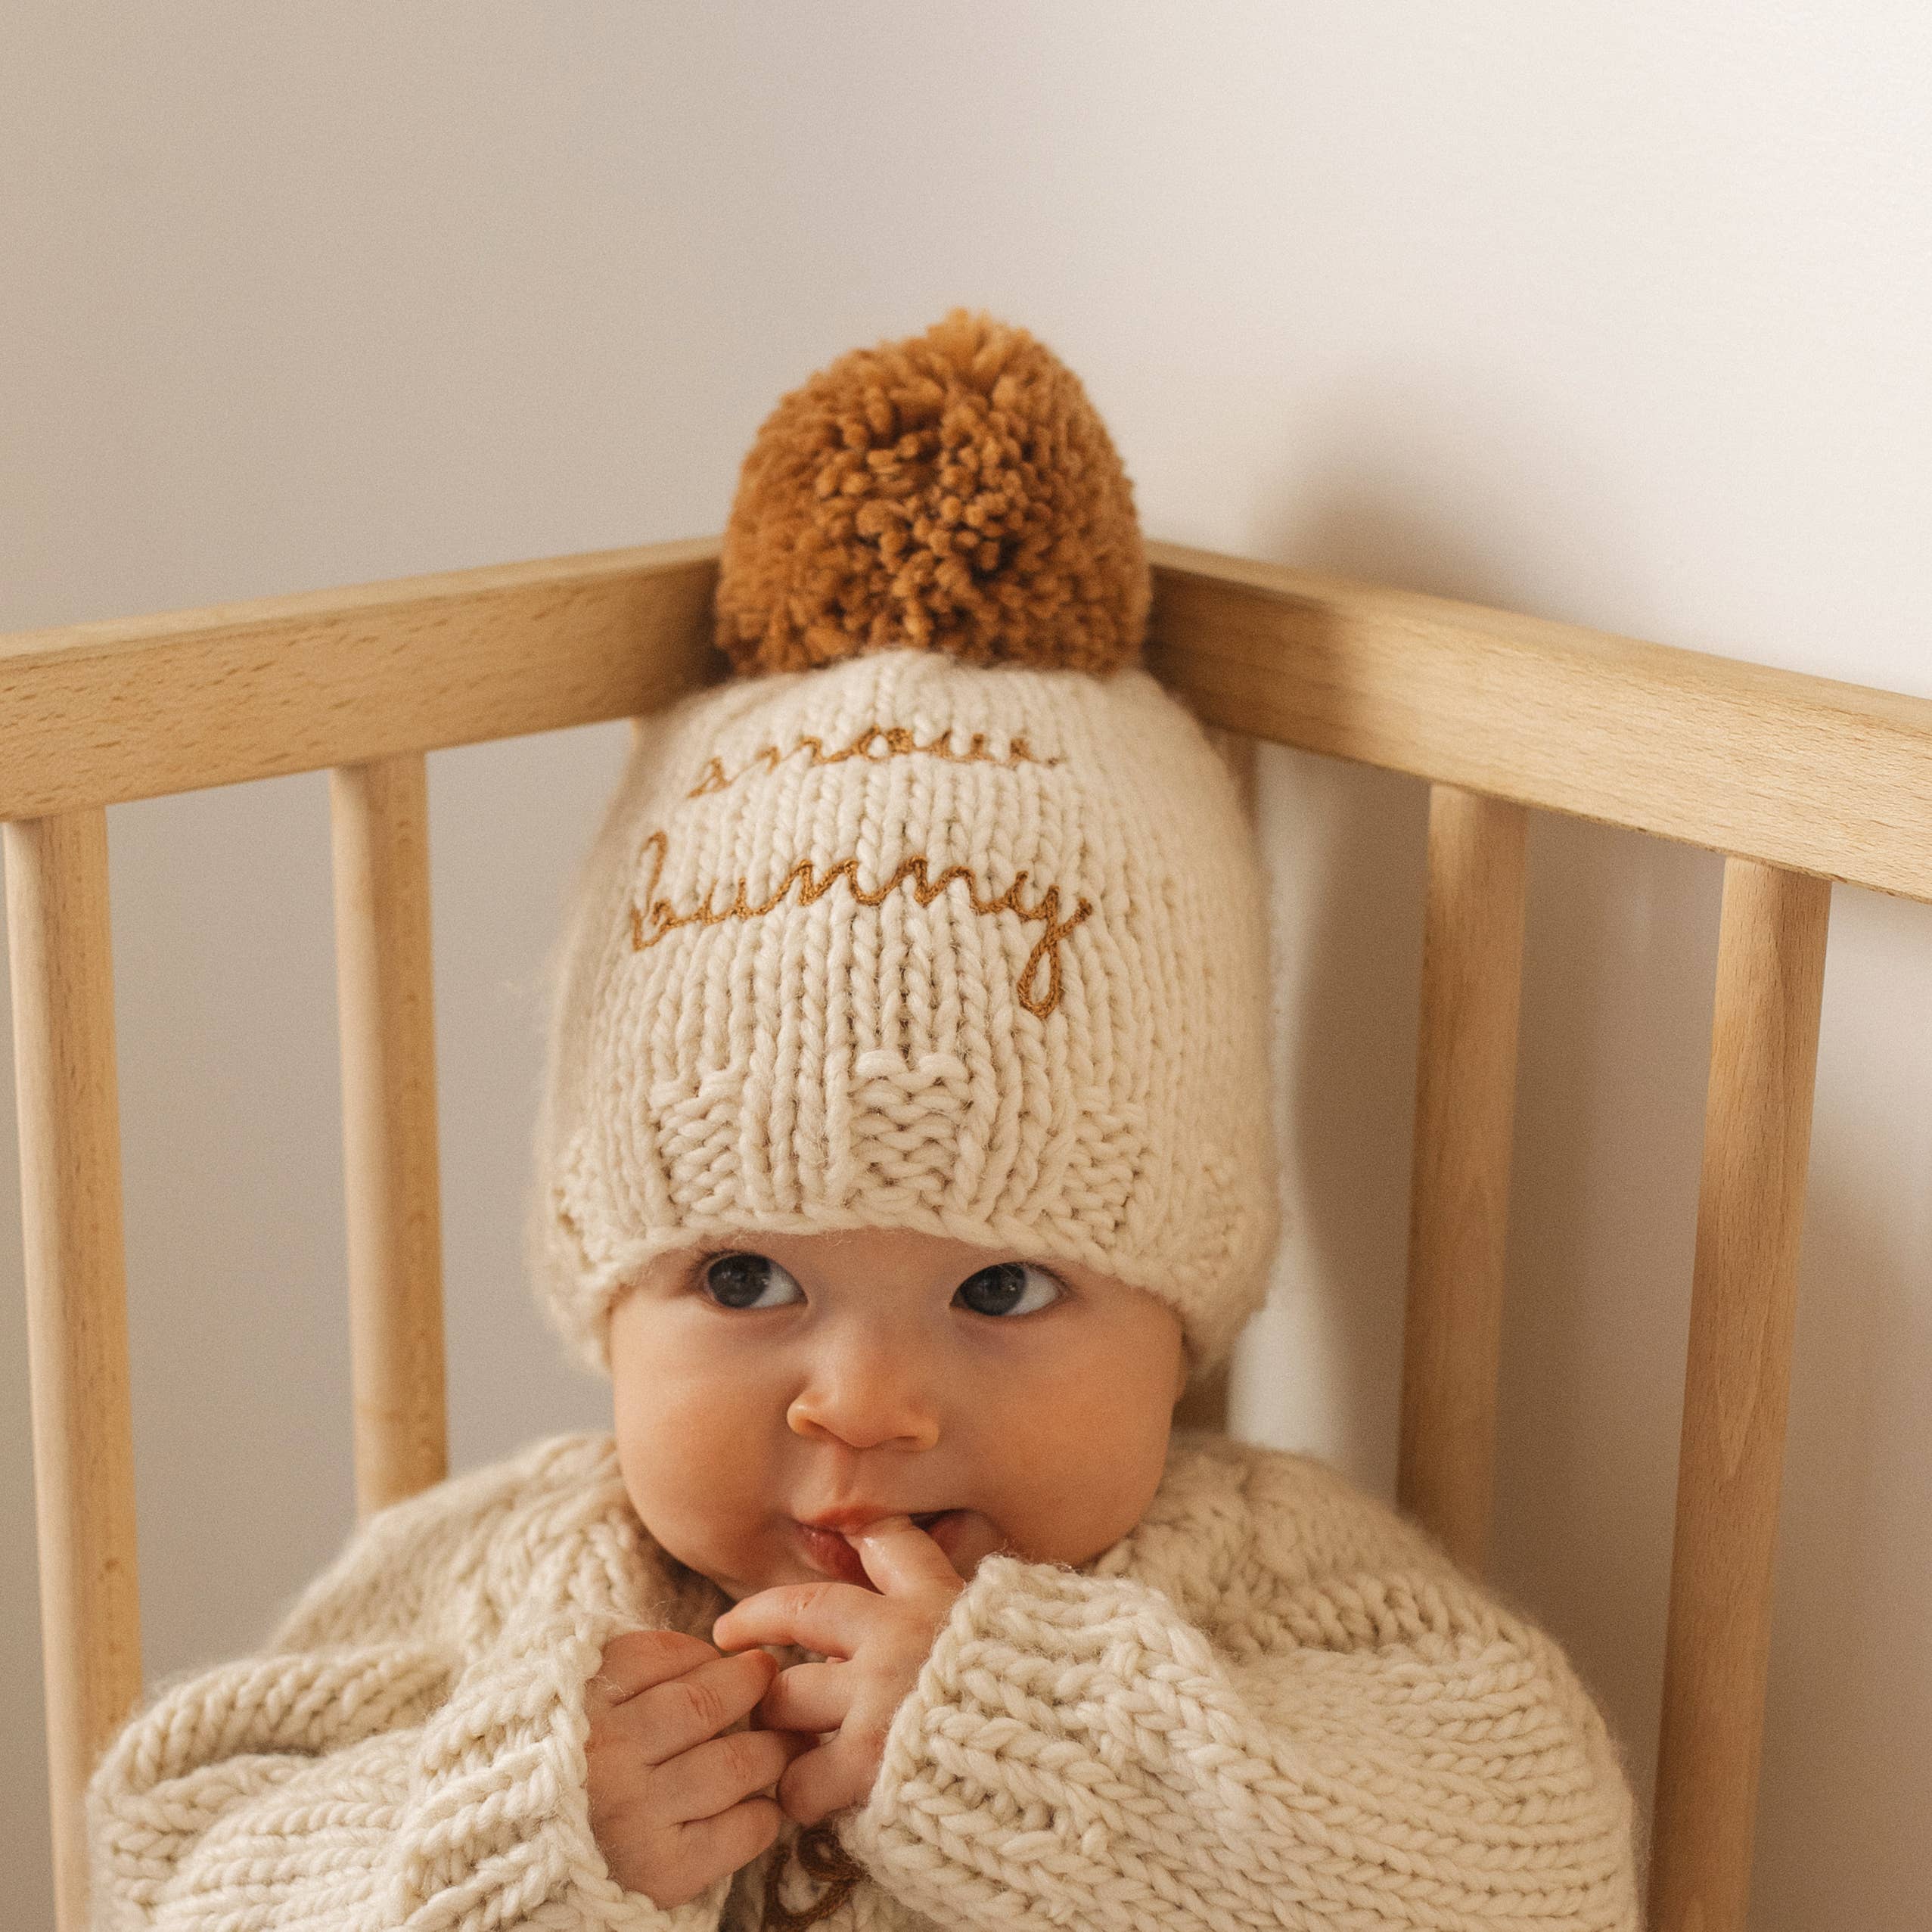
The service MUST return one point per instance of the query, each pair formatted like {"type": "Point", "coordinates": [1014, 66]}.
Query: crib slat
{"type": "Point", "coordinates": [1465, 1095]}
{"type": "Point", "coordinates": [76, 1291]}
{"type": "Point", "coordinates": [1751, 1206]}
{"type": "Point", "coordinates": [1205, 1405]}
{"type": "Point", "coordinates": [380, 814]}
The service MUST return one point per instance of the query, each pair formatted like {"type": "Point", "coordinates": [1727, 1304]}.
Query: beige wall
{"type": "Point", "coordinates": [1613, 313]}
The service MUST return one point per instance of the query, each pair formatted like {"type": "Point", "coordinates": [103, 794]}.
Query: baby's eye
{"type": "Point", "coordinates": [736, 1281]}
{"type": "Point", "coordinates": [998, 1290]}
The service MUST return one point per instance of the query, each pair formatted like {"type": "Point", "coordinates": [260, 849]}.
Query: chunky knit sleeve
{"type": "Point", "coordinates": [1379, 1746]}
{"type": "Point", "coordinates": [408, 1751]}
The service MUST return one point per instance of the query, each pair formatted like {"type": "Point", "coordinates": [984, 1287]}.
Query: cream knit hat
{"type": "Point", "coordinates": [952, 938]}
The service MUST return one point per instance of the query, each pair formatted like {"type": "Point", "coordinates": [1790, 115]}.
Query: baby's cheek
{"type": "Point", "coordinates": [978, 1538]}
{"type": "Point", "coordinates": [678, 1490]}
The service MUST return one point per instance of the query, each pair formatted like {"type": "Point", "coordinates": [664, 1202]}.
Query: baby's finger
{"type": "Point", "coordinates": [671, 1718]}
{"type": "Point", "coordinates": [833, 1619]}
{"type": "Point", "coordinates": [900, 1557]}
{"type": "Point", "coordinates": [712, 1777]}
{"type": "Point", "coordinates": [839, 1773]}
{"type": "Point", "coordinates": [707, 1848]}
{"type": "Point", "coordinates": [808, 1696]}
{"type": "Point", "coordinates": [635, 1660]}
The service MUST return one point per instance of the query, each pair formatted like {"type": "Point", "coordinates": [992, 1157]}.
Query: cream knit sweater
{"type": "Point", "coordinates": [1273, 1703]}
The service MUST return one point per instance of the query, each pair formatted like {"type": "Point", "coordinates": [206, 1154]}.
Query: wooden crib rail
{"type": "Point", "coordinates": [1798, 780]}
{"type": "Point", "coordinates": [96, 714]}
{"type": "Point", "coordinates": [1793, 770]}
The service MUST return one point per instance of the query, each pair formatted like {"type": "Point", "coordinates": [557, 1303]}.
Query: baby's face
{"type": "Point", "coordinates": [874, 1372]}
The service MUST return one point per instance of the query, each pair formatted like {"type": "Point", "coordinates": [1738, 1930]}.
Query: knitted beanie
{"type": "Point", "coordinates": [940, 912]}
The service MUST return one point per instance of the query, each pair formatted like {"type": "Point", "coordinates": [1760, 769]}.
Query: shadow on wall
{"type": "Point", "coordinates": [1320, 1366]}
{"type": "Point", "coordinates": [1619, 967]}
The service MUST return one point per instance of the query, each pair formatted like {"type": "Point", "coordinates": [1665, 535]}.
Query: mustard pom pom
{"type": "Point", "coordinates": [953, 492]}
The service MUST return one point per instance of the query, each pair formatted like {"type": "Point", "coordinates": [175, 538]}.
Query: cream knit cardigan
{"type": "Point", "coordinates": [1273, 1703]}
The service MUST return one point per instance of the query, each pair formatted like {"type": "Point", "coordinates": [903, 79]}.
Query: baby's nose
{"type": "Point", "coordinates": [867, 1398]}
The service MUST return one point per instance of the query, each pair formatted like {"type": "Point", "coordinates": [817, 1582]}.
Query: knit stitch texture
{"type": "Point", "coordinates": [905, 942]}
{"type": "Point", "coordinates": [1273, 1704]}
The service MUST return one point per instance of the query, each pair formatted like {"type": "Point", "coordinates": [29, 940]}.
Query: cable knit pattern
{"type": "Point", "coordinates": [1274, 1704]}
{"type": "Point", "coordinates": [408, 1751]}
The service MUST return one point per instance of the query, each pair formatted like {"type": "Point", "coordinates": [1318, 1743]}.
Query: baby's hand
{"type": "Point", "coordinates": [876, 1641]}
{"type": "Point", "coordinates": [670, 1803]}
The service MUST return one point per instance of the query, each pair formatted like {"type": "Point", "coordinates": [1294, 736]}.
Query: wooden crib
{"type": "Point", "coordinates": [1798, 780]}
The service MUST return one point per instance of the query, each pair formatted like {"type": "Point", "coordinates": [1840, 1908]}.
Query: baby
{"type": "Point", "coordinates": [904, 1156]}
{"type": "Point", "coordinates": [874, 1409]}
